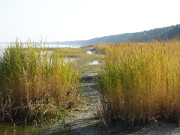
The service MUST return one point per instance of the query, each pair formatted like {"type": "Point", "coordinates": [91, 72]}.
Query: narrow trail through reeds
{"type": "Point", "coordinates": [84, 120]}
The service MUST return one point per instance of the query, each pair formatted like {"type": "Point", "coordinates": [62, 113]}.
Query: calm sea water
{"type": "Point", "coordinates": [3, 46]}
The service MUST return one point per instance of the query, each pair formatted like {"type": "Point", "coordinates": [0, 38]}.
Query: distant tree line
{"type": "Point", "coordinates": [164, 33]}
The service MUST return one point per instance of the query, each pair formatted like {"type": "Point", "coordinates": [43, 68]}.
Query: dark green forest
{"type": "Point", "coordinates": [164, 33]}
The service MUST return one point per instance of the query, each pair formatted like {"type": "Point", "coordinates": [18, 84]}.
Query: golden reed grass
{"type": "Point", "coordinates": [35, 84]}
{"type": "Point", "coordinates": [140, 82]}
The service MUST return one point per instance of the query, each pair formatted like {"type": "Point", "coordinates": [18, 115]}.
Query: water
{"type": "Point", "coordinates": [4, 46]}
{"type": "Point", "coordinates": [13, 129]}
{"type": "Point", "coordinates": [72, 60]}
{"type": "Point", "coordinates": [20, 128]}
{"type": "Point", "coordinates": [89, 52]}
{"type": "Point", "coordinates": [61, 46]}
{"type": "Point", "coordinates": [95, 62]}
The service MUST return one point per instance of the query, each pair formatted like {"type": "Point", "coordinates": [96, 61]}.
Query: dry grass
{"type": "Point", "coordinates": [140, 82]}
{"type": "Point", "coordinates": [79, 58]}
{"type": "Point", "coordinates": [68, 52]}
{"type": "Point", "coordinates": [35, 84]}
{"type": "Point", "coordinates": [103, 48]}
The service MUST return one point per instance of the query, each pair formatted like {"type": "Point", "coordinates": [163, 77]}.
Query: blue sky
{"type": "Point", "coordinates": [64, 20]}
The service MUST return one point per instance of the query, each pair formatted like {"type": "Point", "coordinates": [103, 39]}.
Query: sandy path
{"type": "Point", "coordinates": [84, 121]}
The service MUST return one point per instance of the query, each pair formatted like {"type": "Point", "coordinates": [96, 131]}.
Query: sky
{"type": "Point", "coordinates": [65, 20]}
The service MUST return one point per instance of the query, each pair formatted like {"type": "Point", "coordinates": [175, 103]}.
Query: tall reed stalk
{"type": "Point", "coordinates": [35, 84]}
{"type": "Point", "coordinates": [140, 82]}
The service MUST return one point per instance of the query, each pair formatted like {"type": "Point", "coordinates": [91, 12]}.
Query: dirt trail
{"type": "Point", "coordinates": [84, 121]}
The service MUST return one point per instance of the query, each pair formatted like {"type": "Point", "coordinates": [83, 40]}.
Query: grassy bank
{"type": "Point", "coordinates": [35, 84]}
{"type": "Point", "coordinates": [79, 58]}
{"type": "Point", "coordinates": [140, 82]}
{"type": "Point", "coordinates": [103, 48]}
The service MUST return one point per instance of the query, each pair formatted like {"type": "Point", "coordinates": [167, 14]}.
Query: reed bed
{"type": "Point", "coordinates": [103, 48]}
{"type": "Point", "coordinates": [79, 58]}
{"type": "Point", "coordinates": [68, 52]}
{"type": "Point", "coordinates": [35, 85]}
{"type": "Point", "coordinates": [140, 83]}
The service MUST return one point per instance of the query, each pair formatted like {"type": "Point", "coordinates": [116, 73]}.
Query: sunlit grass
{"type": "Point", "coordinates": [140, 82]}
{"type": "Point", "coordinates": [79, 58]}
{"type": "Point", "coordinates": [103, 48]}
{"type": "Point", "coordinates": [35, 84]}
{"type": "Point", "coordinates": [68, 52]}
